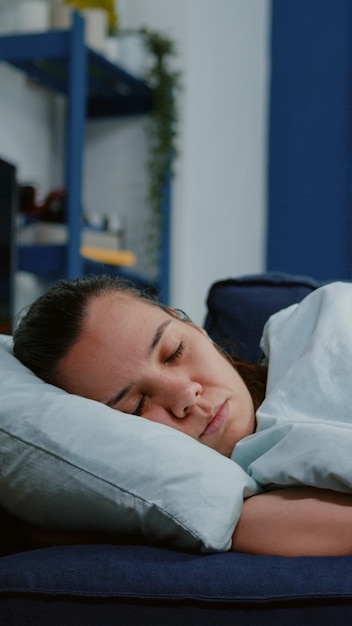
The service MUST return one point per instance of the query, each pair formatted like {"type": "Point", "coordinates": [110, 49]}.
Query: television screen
{"type": "Point", "coordinates": [8, 201]}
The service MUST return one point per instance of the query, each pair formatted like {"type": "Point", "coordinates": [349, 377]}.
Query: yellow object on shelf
{"type": "Point", "coordinates": [107, 5]}
{"type": "Point", "coordinates": [124, 258]}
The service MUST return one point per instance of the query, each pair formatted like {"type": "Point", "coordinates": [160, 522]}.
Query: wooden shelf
{"type": "Point", "coordinates": [121, 258]}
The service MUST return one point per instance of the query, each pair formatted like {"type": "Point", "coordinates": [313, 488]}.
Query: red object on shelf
{"type": "Point", "coordinates": [53, 209]}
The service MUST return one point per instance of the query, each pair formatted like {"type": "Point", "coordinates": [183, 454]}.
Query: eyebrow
{"type": "Point", "coordinates": [158, 335]}
{"type": "Point", "coordinates": [156, 340]}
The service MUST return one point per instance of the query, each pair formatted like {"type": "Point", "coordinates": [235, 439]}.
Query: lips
{"type": "Point", "coordinates": [217, 421]}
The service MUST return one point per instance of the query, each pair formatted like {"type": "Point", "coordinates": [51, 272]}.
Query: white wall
{"type": "Point", "coordinates": [225, 148]}
{"type": "Point", "coordinates": [219, 192]}
{"type": "Point", "coordinates": [25, 115]}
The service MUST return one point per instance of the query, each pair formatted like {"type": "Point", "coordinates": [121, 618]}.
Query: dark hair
{"type": "Point", "coordinates": [254, 376]}
{"type": "Point", "coordinates": [55, 320]}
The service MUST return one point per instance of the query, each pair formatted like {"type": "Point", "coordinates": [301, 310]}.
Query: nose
{"type": "Point", "coordinates": [179, 396]}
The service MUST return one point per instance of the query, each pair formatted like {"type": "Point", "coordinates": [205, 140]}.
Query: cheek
{"type": "Point", "coordinates": [159, 416]}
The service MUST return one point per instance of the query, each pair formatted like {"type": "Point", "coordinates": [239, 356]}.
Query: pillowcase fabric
{"type": "Point", "coordinates": [68, 463]}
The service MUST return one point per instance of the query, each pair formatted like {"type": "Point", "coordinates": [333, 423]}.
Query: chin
{"type": "Point", "coordinates": [224, 450]}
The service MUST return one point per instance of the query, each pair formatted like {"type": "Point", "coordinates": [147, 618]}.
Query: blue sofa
{"type": "Point", "coordinates": [102, 583]}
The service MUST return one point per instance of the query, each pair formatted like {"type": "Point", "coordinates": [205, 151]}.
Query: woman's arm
{"type": "Point", "coordinates": [296, 522]}
{"type": "Point", "coordinates": [286, 522]}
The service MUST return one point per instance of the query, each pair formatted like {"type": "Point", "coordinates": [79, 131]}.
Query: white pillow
{"type": "Point", "coordinates": [68, 463]}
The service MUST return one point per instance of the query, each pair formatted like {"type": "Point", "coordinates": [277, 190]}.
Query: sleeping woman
{"type": "Point", "coordinates": [102, 339]}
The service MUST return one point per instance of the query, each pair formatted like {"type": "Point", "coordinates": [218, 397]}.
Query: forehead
{"type": "Point", "coordinates": [121, 308]}
{"type": "Point", "coordinates": [121, 322]}
{"type": "Point", "coordinates": [115, 337]}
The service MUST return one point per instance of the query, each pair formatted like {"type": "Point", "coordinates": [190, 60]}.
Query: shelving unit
{"type": "Point", "coordinates": [94, 87]}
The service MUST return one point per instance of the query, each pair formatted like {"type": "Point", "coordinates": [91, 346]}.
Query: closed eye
{"type": "Point", "coordinates": [140, 407]}
{"type": "Point", "coordinates": [176, 354]}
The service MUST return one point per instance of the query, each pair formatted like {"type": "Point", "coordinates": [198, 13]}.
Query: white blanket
{"type": "Point", "coordinates": [304, 426]}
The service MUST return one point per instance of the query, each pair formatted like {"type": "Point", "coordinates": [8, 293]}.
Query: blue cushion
{"type": "Point", "coordinates": [135, 584]}
{"type": "Point", "coordinates": [239, 307]}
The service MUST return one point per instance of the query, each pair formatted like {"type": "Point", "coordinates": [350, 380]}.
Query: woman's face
{"type": "Point", "coordinates": [138, 358]}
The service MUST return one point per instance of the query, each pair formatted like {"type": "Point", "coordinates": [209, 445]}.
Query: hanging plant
{"type": "Point", "coordinates": [106, 5]}
{"type": "Point", "coordinates": [162, 128]}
